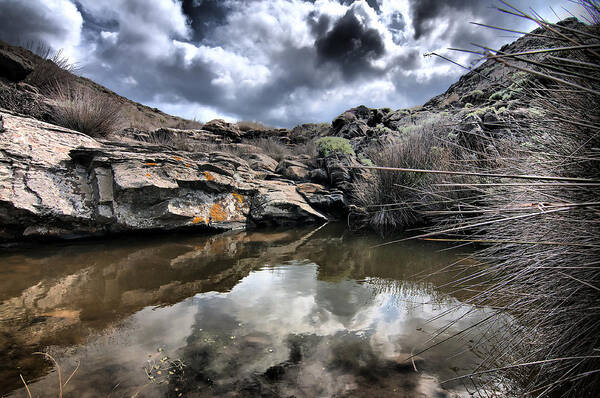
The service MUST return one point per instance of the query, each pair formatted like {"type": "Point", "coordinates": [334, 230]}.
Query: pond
{"type": "Point", "coordinates": [313, 312]}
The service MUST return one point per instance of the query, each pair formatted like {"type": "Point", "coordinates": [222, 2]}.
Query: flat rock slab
{"type": "Point", "coordinates": [58, 183]}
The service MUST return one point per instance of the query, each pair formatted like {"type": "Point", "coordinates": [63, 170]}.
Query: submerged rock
{"type": "Point", "coordinates": [59, 183]}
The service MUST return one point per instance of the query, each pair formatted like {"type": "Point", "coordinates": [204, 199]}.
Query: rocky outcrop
{"type": "Point", "coordinates": [59, 183]}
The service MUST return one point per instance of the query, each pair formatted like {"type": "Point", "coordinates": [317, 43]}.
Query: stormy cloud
{"type": "Point", "coordinates": [351, 45]}
{"type": "Point", "coordinates": [281, 62]}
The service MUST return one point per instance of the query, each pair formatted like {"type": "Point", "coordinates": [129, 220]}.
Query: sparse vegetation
{"type": "Point", "coordinates": [246, 125]}
{"type": "Point", "coordinates": [51, 70]}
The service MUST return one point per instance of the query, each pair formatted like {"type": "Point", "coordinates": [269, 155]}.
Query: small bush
{"type": "Point", "coordinates": [329, 145]}
{"type": "Point", "coordinates": [82, 110]}
{"type": "Point", "coordinates": [185, 124]}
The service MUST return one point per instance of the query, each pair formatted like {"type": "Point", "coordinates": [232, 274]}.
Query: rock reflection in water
{"type": "Point", "coordinates": [290, 313]}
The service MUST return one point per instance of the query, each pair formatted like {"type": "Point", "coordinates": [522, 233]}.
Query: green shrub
{"type": "Point", "coordinates": [329, 145]}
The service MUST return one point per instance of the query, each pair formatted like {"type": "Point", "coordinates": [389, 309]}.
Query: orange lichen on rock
{"type": "Point", "coordinates": [217, 213]}
{"type": "Point", "coordinates": [208, 176]}
{"type": "Point", "coordinates": [198, 220]}
{"type": "Point", "coordinates": [177, 158]}
{"type": "Point", "coordinates": [148, 175]}
{"type": "Point", "coordinates": [150, 164]}
{"type": "Point", "coordinates": [238, 197]}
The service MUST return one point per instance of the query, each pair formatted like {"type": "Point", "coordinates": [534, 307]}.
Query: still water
{"type": "Point", "coordinates": [302, 313]}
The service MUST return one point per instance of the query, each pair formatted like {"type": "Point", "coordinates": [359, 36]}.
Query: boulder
{"type": "Point", "coordinates": [293, 170]}
{"type": "Point", "coordinates": [261, 162]}
{"type": "Point", "coordinates": [330, 202]}
{"type": "Point", "coordinates": [278, 203]}
{"type": "Point", "coordinates": [224, 129]}
{"type": "Point", "coordinates": [58, 183]}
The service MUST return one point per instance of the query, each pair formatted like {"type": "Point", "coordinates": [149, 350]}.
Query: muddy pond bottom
{"type": "Point", "coordinates": [292, 313]}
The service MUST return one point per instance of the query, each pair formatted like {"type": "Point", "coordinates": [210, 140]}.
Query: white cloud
{"type": "Point", "coordinates": [55, 22]}
{"type": "Point", "coordinates": [143, 26]}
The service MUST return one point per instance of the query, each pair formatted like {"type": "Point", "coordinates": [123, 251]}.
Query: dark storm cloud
{"type": "Point", "coordinates": [425, 12]}
{"type": "Point", "coordinates": [204, 16]}
{"type": "Point", "coordinates": [319, 24]}
{"type": "Point", "coordinates": [350, 45]}
{"type": "Point", "coordinates": [93, 24]}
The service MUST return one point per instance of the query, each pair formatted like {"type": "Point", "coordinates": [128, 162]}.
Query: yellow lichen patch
{"type": "Point", "coordinates": [208, 176]}
{"type": "Point", "coordinates": [150, 164]}
{"type": "Point", "coordinates": [198, 220]}
{"type": "Point", "coordinates": [217, 213]}
{"type": "Point", "coordinates": [238, 197]}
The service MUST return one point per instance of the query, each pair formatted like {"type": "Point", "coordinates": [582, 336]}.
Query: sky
{"type": "Point", "coordinates": [280, 62]}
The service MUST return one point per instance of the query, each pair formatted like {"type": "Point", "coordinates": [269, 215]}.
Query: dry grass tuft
{"type": "Point", "coordinates": [271, 146]}
{"type": "Point", "coordinates": [85, 111]}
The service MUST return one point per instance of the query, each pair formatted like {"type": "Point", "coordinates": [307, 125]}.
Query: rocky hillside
{"type": "Point", "coordinates": [60, 183]}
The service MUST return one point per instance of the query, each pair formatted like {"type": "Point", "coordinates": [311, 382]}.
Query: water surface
{"type": "Point", "coordinates": [303, 313]}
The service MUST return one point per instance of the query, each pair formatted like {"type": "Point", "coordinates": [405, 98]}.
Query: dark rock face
{"type": "Point", "coordinates": [13, 66]}
{"type": "Point", "coordinates": [58, 183]}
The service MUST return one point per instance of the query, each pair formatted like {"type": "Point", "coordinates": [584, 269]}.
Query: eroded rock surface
{"type": "Point", "coordinates": [56, 182]}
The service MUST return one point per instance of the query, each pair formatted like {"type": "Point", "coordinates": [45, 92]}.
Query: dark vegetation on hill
{"type": "Point", "coordinates": [510, 153]}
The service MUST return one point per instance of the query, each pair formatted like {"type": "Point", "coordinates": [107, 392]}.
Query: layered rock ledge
{"type": "Point", "coordinates": [59, 183]}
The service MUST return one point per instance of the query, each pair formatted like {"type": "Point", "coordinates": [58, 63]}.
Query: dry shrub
{"type": "Point", "coordinates": [85, 111]}
{"type": "Point", "coordinates": [188, 124]}
{"type": "Point", "coordinates": [306, 148]}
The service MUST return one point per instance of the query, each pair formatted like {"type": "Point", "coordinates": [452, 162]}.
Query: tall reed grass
{"type": "Point", "coordinates": [538, 237]}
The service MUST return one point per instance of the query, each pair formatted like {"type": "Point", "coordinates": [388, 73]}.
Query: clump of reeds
{"type": "Point", "coordinates": [537, 231]}
{"type": "Point", "coordinates": [390, 200]}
